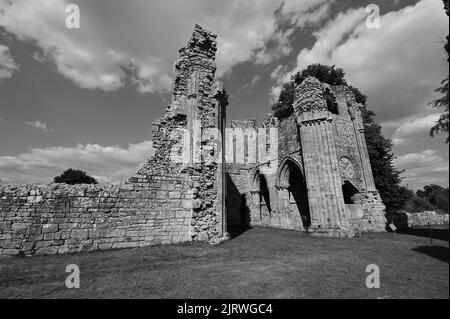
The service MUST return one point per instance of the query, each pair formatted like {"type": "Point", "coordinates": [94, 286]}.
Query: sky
{"type": "Point", "coordinates": [85, 97]}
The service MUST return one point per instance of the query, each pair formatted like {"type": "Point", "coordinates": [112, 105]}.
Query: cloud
{"type": "Point", "coordinates": [397, 66]}
{"type": "Point", "coordinates": [39, 125]}
{"type": "Point", "coordinates": [279, 43]}
{"type": "Point", "coordinates": [415, 126]}
{"type": "Point", "coordinates": [423, 168]}
{"type": "Point", "coordinates": [121, 42]}
{"type": "Point", "coordinates": [260, 31]}
{"type": "Point", "coordinates": [252, 82]}
{"type": "Point", "coordinates": [106, 163]}
{"type": "Point", "coordinates": [88, 56]}
{"type": "Point", "coordinates": [7, 64]}
{"type": "Point", "coordinates": [255, 80]}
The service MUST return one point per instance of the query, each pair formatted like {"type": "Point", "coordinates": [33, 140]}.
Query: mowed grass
{"type": "Point", "coordinates": [259, 263]}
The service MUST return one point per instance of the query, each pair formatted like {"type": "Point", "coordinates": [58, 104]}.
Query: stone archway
{"type": "Point", "coordinates": [261, 204]}
{"type": "Point", "coordinates": [349, 190]}
{"type": "Point", "coordinates": [293, 193]}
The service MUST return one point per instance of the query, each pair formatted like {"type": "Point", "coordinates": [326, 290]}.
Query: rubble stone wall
{"type": "Point", "coordinates": [404, 220]}
{"type": "Point", "coordinates": [190, 191]}
{"type": "Point", "coordinates": [166, 201]}
{"type": "Point", "coordinates": [58, 219]}
{"type": "Point", "coordinates": [321, 148]}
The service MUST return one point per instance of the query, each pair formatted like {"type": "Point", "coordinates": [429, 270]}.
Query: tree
{"type": "Point", "coordinates": [417, 204]}
{"type": "Point", "coordinates": [442, 124]}
{"type": "Point", "coordinates": [72, 177]}
{"type": "Point", "coordinates": [324, 73]}
{"type": "Point", "coordinates": [283, 107]}
{"type": "Point", "coordinates": [387, 177]}
{"type": "Point", "coordinates": [332, 75]}
{"type": "Point", "coordinates": [436, 195]}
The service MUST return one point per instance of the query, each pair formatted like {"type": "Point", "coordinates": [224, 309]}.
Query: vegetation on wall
{"type": "Point", "coordinates": [387, 177]}
{"type": "Point", "coordinates": [332, 75]}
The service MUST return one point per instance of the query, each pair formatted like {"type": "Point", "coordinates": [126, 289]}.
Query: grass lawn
{"type": "Point", "coordinates": [259, 263]}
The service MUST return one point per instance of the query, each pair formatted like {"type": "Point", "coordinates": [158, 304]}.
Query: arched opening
{"type": "Point", "coordinates": [332, 105]}
{"type": "Point", "coordinates": [264, 191]}
{"type": "Point", "coordinates": [244, 212]}
{"type": "Point", "coordinates": [233, 202]}
{"type": "Point", "coordinates": [261, 198]}
{"type": "Point", "coordinates": [349, 190]}
{"type": "Point", "coordinates": [292, 180]}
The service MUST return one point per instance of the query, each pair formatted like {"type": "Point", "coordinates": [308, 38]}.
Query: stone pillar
{"type": "Point", "coordinates": [359, 128]}
{"type": "Point", "coordinates": [368, 174]}
{"type": "Point", "coordinates": [326, 201]}
{"type": "Point", "coordinates": [256, 205]}
{"type": "Point", "coordinates": [323, 180]}
{"type": "Point", "coordinates": [221, 101]}
{"type": "Point", "coordinates": [283, 191]}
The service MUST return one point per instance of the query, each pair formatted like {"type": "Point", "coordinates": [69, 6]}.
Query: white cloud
{"type": "Point", "coordinates": [410, 128]}
{"type": "Point", "coordinates": [423, 158]}
{"type": "Point", "coordinates": [255, 80]}
{"type": "Point", "coordinates": [423, 168]}
{"type": "Point", "coordinates": [39, 125]}
{"type": "Point", "coordinates": [279, 43]}
{"type": "Point", "coordinates": [397, 66]}
{"type": "Point", "coordinates": [142, 37]}
{"type": "Point", "coordinates": [87, 55]}
{"type": "Point", "coordinates": [106, 163]}
{"type": "Point", "coordinates": [251, 30]}
{"type": "Point", "coordinates": [252, 82]}
{"type": "Point", "coordinates": [7, 64]}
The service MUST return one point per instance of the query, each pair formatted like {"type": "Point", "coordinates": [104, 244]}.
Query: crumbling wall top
{"type": "Point", "coordinates": [244, 123]}
{"type": "Point", "coordinates": [197, 56]}
{"type": "Point", "coordinates": [313, 95]}
{"type": "Point", "coordinates": [202, 42]}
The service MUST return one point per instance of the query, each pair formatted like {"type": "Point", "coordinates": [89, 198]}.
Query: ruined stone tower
{"type": "Point", "coordinates": [188, 139]}
{"type": "Point", "coordinates": [175, 197]}
{"type": "Point", "coordinates": [308, 172]}
{"type": "Point", "coordinates": [341, 189]}
{"type": "Point", "coordinates": [320, 178]}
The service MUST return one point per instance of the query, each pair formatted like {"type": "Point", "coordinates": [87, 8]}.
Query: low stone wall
{"type": "Point", "coordinates": [426, 218]}
{"type": "Point", "coordinates": [166, 201]}
{"type": "Point", "coordinates": [58, 219]}
{"type": "Point", "coordinates": [368, 215]}
{"type": "Point", "coordinates": [404, 220]}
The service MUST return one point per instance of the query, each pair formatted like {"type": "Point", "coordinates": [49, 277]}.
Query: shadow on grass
{"type": "Point", "coordinates": [236, 231]}
{"type": "Point", "coordinates": [438, 252]}
{"type": "Point", "coordinates": [441, 234]}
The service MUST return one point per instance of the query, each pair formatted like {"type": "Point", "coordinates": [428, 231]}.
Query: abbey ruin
{"type": "Point", "coordinates": [313, 174]}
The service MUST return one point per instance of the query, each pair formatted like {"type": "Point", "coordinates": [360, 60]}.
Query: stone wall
{"type": "Point", "coordinates": [58, 219]}
{"type": "Point", "coordinates": [404, 220]}
{"type": "Point", "coordinates": [166, 201]}
{"type": "Point", "coordinates": [190, 190]}
{"type": "Point", "coordinates": [304, 186]}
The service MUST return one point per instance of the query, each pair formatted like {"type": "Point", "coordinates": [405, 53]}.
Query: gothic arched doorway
{"type": "Point", "coordinates": [294, 193]}
{"type": "Point", "coordinates": [261, 197]}
{"type": "Point", "coordinates": [349, 190]}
